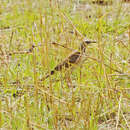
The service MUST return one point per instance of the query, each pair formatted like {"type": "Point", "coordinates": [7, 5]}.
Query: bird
{"type": "Point", "coordinates": [73, 59]}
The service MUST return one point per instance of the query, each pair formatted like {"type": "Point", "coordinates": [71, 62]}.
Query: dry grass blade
{"type": "Point", "coordinates": [74, 27]}
{"type": "Point", "coordinates": [119, 110]}
{"type": "Point", "coordinates": [50, 95]}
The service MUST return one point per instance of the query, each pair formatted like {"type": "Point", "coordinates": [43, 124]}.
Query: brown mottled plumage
{"type": "Point", "coordinates": [72, 59]}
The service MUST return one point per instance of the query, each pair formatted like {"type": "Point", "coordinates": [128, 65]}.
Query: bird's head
{"type": "Point", "coordinates": [84, 43]}
{"type": "Point", "coordinates": [88, 41]}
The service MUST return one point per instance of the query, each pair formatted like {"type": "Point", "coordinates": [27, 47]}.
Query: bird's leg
{"type": "Point", "coordinates": [68, 79]}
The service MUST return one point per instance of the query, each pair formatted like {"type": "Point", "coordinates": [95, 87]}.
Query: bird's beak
{"type": "Point", "coordinates": [88, 41]}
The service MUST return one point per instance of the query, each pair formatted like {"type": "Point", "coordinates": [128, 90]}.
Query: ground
{"type": "Point", "coordinates": [94, 95]}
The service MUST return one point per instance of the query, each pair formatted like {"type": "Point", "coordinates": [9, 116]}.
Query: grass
{"type": "Point", "coordinates": [95, 95]}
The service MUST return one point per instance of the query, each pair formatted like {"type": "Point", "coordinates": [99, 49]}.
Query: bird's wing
{"type": "Point", "coordinates": [66, 63]}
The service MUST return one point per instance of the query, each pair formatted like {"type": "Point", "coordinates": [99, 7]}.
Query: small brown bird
{"type": "Point", "coordinates": [73, 58]}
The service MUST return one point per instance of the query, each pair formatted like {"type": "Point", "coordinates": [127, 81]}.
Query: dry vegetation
{"type": "Point", "coordinates": [94, 95]}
